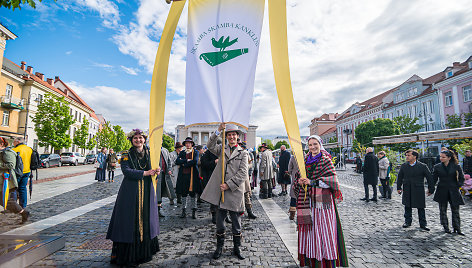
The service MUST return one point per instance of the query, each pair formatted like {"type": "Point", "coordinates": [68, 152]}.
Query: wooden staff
{"type": "Point", "coordinates": [223, 167]}
{"type": "Point", "coordinates": [191, 175]}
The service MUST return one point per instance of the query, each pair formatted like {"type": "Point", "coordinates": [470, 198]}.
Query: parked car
{"type": "Point", "coordinates": [72, 158]}
{"type": "Point", "coordinates": [91, 158]}
{"type": "Point", "coordinates": [50, 160]}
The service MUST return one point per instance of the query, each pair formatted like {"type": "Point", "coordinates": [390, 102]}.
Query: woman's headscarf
{"type": "Point", "coordinates": [312, 159]}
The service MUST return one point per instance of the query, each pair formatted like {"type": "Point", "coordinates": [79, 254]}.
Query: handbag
{"type": "Point", "coordinates": [96, 165]}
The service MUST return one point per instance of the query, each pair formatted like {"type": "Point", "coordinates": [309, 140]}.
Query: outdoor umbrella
{"type": "Point", "coordinates": [6, 189]}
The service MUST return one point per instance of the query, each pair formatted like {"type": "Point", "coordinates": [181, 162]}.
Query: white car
{"type": "Point", "coordinates": [73, 158]}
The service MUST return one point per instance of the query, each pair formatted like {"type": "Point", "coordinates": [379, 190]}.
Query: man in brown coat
{"type": "Point", "coordinates": [236, 173]}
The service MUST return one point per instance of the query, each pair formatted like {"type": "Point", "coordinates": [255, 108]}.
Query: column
{"type": "Point", "coordinates": [199, 137]}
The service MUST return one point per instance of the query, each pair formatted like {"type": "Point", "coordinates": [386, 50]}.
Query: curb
{"type": "Point", "coordinates": [63, 176]}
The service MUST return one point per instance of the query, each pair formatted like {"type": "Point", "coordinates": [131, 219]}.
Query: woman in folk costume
{"type": "Point", "coordinates": [320, 236]}
{"type": "Point", "coordinates": [134, 224]}
{"type": "Point", "coordinates": [188, 181]}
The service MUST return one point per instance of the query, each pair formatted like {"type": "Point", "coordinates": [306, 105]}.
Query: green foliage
{"type": "Point", "coordinates": [13, 4]}
{"type": "Point", "coordinates": [396, 159]}
{"type": "Point", "coordinates": [358, 148]}
{"type": "Point", "coordinates": [269, 144]}
{"type": "Point", "coordinates": [407, 124]}
{"type": "Point", "coordinates": [454, 120]}
{"type": "Point", "coordinates": [463, 146]}
{"type": "Point", "coordinates": [91, 143]}
{"type": "Point", "coordinates": [337, 149]}
{"type": "Point", "coordinates": [80, 136]}
{"type": "Point", "coordinates": [168, 142]}
{"type": "Point", "coordinates": [280, 143]}
{"type": "Point", "coordinates": [106, 136]}
{"type": "Point", "coordinates": [366, 131]}
{"type": "Point", "coordinates": [467, 119]}
{"type": "Point", "coordinates": [121, 141]}
{"type": "Point", "coordinates": [52, 121]}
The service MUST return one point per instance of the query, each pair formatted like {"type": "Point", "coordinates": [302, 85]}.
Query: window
{"type": "Point", "coordinates": [39, 99]}
{"type": "Point", "coordinates": [412, 92]}
{"type": "Point", "coordinates": [71, 111]}
{"type": "Point", "coordinates": [80, 117]}
{"type": "Point", "coordinates": [6, 118]}
{"type": "Point", "coordinates": [8, 92]}
{"type": "Point", "coordinates": [449, 74]}
{"type": "Point", "coordinates": [35, 144]}
{"type": "Point", "coordinates": [75, 115]}
{"type": "Point", "coordinates": [448, 98]}
{"type": "Point", "coordinates": [466, 92]}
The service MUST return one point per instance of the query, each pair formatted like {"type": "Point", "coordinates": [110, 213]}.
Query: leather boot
{"type": "Point", "coordinates": [213, 217]}
{"type": "Point", "coordinates": [183, 214]}
{"type": "Point", "coordinates": [194, 212]}
{"type": "Point", "coordinates": [269, 194]}
{"type": "Point", "coordinates": [237, 244]}
{"type": "Point", "coordinates": [250, 215]}
{"type": "Point", "coordinates": [220, 241]}
{"type": "Point", "coordinates": [179, 199]}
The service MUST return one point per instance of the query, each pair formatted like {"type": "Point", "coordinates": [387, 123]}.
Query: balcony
{"type": "Point", "coordinates": [9, 102]}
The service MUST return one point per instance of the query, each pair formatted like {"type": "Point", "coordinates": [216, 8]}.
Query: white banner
{"type": "Point", "coordinates": [222, 48]}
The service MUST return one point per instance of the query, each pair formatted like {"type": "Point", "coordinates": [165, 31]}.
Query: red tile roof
{"type": "Point", "coordinates": [78, 99]}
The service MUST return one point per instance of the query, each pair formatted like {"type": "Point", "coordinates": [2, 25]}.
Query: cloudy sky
{"type": "Point", "coordinates": [341, 51]}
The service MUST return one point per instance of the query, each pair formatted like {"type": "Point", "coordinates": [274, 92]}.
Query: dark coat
{"type": "Point", "coordinates": [123, 219]}
{"type": "Point", "coordinates": [467, 165]}
{"type": "Point", "coordinates": [450, 179]}
{"type": "Point", "coordinates": [183, 180]}
{"type": "Point", "coordinates": [208, 164]}
{"type": "Point", "coordinates": [371, 169]}
{"type": "Point", "coordinates": [411, 181]}
{"type": "Point", "coordinates": [284, 159]}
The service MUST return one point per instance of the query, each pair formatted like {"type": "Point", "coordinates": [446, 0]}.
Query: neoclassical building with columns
{"type": "Point", "coordinates": [201, 133]}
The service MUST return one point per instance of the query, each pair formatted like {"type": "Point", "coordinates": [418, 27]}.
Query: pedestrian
{"type": "Point", "coordinates": [175, 168]}
{"type": "Point", "coordinates": [371, 174]}
{"type": "Point", "coordinates": [283, 175]}
{"type": "Point", "coordinates": [247, 186]}
{"type": "Point", "coordinates": [266, 171]}
{"type": "Point", "coordinates": [437, 161]}
{"type": "Point", "coordinates": [451, 178]}
{"type": "Point", "coordinates": [111, 162]}
{"type": "Point", "coordinates": [134, 223]}
{"type": "Point", "coordinates": [102, 163]}
{"type": "Point", "coordinates": [7, 166]}
{"type": "Point", "coordinates": [293, 170]}
{"type": "Point", "coordinates": [201, 151]}
{"type": "Point", "coordinates": [25, 154]}
{"type": "Point", "coordinates": [209, 161]}
{"type": "Point", "coordinates": [358, 164]}
{"type": "Point", "coordinates": [188, 181]}
{"type": "Point", "coordinates": [275, 172]}
{"type": "Point", "coordinates": [467, 162]}
{"type": "Point", "coordinates": [233, 186]}
{"type": "Point", "coordinates": [255, 173]}
{"type": "Point", "coordinates": [320, 236]}
{"type": "Point", "coordinates": [410, 183]}
{"type": "Point", "coordinates": [164, 185]}
{"type": "Point", "coordinates": [384, 168]}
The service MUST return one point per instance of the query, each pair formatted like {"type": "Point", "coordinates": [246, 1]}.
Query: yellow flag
{"type": "Point", "coordinates": [279, 48]}
{"type": "Point", "coordinates": [159, 83]}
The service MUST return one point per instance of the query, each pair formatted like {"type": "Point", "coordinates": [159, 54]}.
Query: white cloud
{"type": "Point", "coordinates": [340, 51]}
{"type": "Point", "coordinates": [68, 52]}
{"type": "Point", "coordinates": [129, 70]}
{"type": "Point", "coordinates": [107, 10]}
{"type": "Point", "coordinates": [105, 66]}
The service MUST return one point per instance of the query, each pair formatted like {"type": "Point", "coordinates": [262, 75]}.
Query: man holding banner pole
{"type": "Point", "coordinates": [236, 173]}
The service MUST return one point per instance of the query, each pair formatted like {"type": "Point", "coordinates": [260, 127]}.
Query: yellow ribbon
{"type": "Point", "coordinates": [279, 49]}
{"type": "Point", "coordinates": [159, 83]}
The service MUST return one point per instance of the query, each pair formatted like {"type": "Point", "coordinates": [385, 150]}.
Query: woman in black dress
{"type": "Point", "coordinates": [451, 178]}
{"type": "Point", "coordinates": [134, 224]}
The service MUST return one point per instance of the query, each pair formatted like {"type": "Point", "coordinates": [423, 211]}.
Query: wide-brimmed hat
{"type": "Point", "coordinates": [233, 128]}
{"type": "Point", "coordinates": [188, 139]}
{"type": "Point", "coordinates": [178, 145]}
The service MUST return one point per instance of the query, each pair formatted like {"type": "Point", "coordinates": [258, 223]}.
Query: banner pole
{"type": "Point", "coordinates": [223, 165]}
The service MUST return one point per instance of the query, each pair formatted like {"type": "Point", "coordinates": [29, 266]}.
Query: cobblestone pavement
{"type": "Point", "coordinates": [373, 233]}
{"type": "Point", "coordinates": [375, 237]}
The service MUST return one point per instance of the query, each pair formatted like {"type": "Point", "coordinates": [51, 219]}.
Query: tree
{"type": "Point", "coordinates": [52, 121]}
{"type": "Point", "coordinates": [406, 125]}
{"type": "Point", "coordinates": [454, 120]}
{"type": "Point", "coordinates": [121, 141]}
{"type": "Point", "coordinates": [463, 146]}
{"type": "Point", "coordinates": [106, 136]}
{"type": "Point", "coordinates": [358, 148]}
{"type": "Point", "coordinates": [81, 135]}
{"type": "Point", "coordinates": [269, 144]}
{"type": "Point", "coordinates": [337, 149]}
{"type": "Point", "coordinates": [13, 4]}
{"type": "Point", "coordinates": [168, 142]}
{"type": "Point", "coordinates": [467, 119]}
{"type": "Point", "coordinates": [366, 131]}
{"type": "Point", "coordinates": [280, 143]}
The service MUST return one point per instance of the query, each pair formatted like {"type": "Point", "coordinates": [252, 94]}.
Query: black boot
{"type": "Point", "coordinates": [220, 241]}
{"type": "Point", "coordinates": [179, 199]}
{"type": "Point", "coordinates": [194, 212]}
{"type": "Point", "coordinates": [228, 219]}
{"type": "Point", "coordinates": [213, 217]}
{"type": "Point", "coordinates": [269, 194]}
{"type": "Point", "coordinates": [183, 214]}
{"type": "Point", "coordinates": [237, 244]}
{"type": "Point", "coordinates": [250, 215]}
